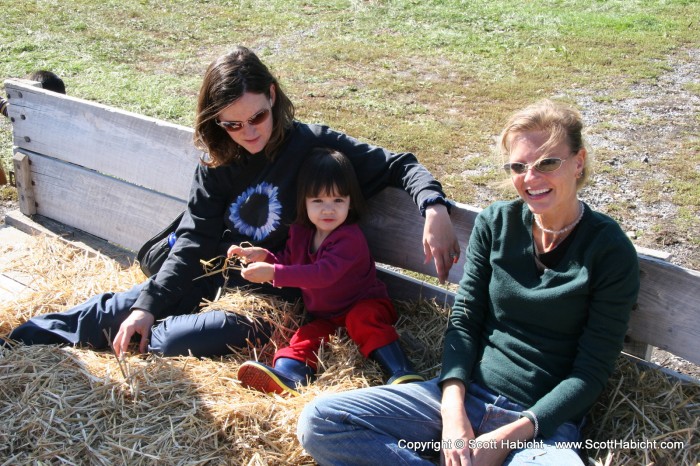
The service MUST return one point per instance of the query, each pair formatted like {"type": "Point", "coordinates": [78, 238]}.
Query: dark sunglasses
{"type": "Point", "coordinates": [233, 126]}
{"type": "Point", "coordinates": [547, 165]}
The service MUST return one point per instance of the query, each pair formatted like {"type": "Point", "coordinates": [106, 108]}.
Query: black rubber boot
{"type": "Point", "coordinates": [284, 378]}
{"type": "Point", "coordinates": [395, 363]}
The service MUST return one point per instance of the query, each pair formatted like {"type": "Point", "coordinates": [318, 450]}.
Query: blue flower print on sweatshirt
{"type": "Point", "coordinates": [256, 212]}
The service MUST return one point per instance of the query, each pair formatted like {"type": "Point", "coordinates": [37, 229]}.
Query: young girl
{"type": "Point", "coordinates": [326, 255]}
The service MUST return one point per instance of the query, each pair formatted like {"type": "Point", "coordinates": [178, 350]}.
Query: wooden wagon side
{"type": "Point", "coordinates": [121, 177]}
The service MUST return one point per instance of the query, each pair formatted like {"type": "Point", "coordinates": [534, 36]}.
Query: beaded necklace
{"type": "Point", "coordinates": [566, 228]}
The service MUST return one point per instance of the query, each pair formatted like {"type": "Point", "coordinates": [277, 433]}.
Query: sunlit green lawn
{"type": "Point", "coordinates": [434, 77]}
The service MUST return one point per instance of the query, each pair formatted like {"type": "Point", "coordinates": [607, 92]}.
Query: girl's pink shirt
{"type": "Point", "coordinates": [338, 275]}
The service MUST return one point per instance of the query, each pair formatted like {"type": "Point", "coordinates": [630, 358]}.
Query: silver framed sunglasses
{"type": "Point", "coordinates": [233, 126]}
{"type": "Point", "coordinates": [546, 165]}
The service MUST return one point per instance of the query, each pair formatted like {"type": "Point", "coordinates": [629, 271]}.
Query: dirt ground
{"type": "Point", "coordinates": [652, 126]}
{"type": "Point", "coordinates": [645, 124]}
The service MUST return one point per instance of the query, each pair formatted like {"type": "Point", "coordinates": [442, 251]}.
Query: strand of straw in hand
{"type": "Point", "coordinates": [229, 263]}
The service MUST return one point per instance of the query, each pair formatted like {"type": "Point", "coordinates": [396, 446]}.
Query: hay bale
{"type": "Point", "coordinates": [79, 406]}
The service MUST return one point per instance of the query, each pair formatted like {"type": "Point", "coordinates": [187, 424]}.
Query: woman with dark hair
{"type": "Point", "coordinates": [244, 191]}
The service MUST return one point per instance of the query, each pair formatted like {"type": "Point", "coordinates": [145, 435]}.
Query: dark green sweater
{"type": "Point", "coordinates": [547, 341]}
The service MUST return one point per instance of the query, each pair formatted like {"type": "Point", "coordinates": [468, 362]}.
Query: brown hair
{"type": "Point", "coordinates": [324, 172]}
{"type": "Point", "coordinates": [225, 81]}
{"type": "Point", "coordinates": [563, 123]}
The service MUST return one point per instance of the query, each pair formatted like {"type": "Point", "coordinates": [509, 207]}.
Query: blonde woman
{"type": "Point", "coordinates": [538, 321]}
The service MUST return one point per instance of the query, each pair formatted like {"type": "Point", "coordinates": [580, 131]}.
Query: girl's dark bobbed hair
{"type": "Point", "coordinates": [328, 171]}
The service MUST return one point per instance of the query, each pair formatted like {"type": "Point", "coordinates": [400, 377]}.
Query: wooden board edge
{"type": "Point", "coordinates": [669, 372]}
{"type": "Point", "coordinates": [23, 183]}
{"type": "Point", "coordinates": [93, 245]}
{"type": "Point", "coordinates": [402, 287]}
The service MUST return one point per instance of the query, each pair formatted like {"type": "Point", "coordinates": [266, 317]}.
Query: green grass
{"type": "Point", "coordinates": [7, 193]}
{"type": "Point", "coordinates": [434, 77]}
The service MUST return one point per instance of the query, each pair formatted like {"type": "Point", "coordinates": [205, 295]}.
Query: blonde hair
{"type": "Point", "coordinates": [563, 123]}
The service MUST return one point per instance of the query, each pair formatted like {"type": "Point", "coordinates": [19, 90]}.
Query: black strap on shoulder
{"type": "Point", "coordinates": [154, 251]}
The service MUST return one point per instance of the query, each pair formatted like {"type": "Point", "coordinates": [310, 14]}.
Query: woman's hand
{"type": "Point", "coordinates": [457, 431]}
{"type": "Point", "coordinates": [439, 240]}
{"type": "Point", "coordinates": [247, 255]}
{"type": "Point", "coordinates": [140, 322]}
{"type": "Point", "coordinates": [489, 450]}
{"type": "Point", "coordinates": [489, 447]}
{"type": "Point", "coordinates": [259, 272]}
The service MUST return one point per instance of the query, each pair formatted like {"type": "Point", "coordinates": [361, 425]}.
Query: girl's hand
{"type": "Point", "coordinates": [247, 255]}
{"type": "Point", "coordinates": [259, 272]}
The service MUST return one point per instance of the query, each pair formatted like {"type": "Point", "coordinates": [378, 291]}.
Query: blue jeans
{"type": "Point", "coordinates": [95, 322]}
{"type": "Point", "coordinates": [376, 425]}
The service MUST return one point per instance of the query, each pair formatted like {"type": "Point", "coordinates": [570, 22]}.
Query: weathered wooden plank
{"type": "Point", "coordinates": [641, 349]}
{"type": "Point", "coordinates": [394, 231]}
{"type": "Point", "coordinates": [638, 349]}
{"type": "Point", "coordinates": [23, 180]}
{"type": "Point", "coordinates": [112, 209]}
{"type": "Point", "coordinates": [93, 245]}
{"type": "Point", "coordinates": [669, 372]}
{"type": "Point", "coordinates": [668, 312]}
{"type": "Point", "coordinates": [404, 288]}
{"type": "Point", "coordinates": [653, 253]}
{"type": "Point", "coordinates": [148, 152]}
